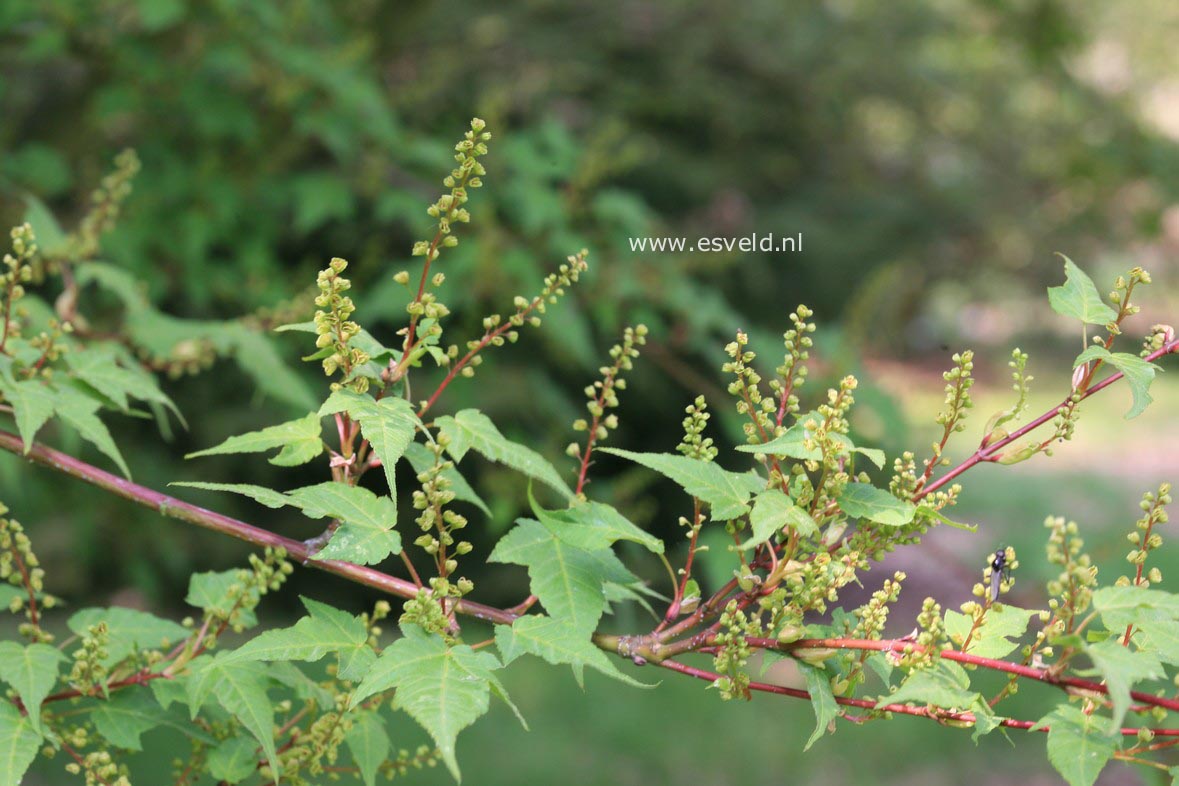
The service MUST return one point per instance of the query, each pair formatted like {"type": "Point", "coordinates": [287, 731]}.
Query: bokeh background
{"type": "Point", "coordinates": [933, 153]}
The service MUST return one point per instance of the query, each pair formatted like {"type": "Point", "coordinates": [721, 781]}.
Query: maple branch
{"type": "Point", "coordinates": [226, 525]}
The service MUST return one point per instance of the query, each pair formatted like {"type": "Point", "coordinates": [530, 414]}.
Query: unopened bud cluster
{"type": "Point", "coordinates": [695, 444]}
{"type": "Point", "coordinates": [449, 207]}
{"type": "Point", "coordinates": [733, 653]}
{"type": "Point", "coordinates": [1159, 337]}
{"type": "Point", "coordinates": [105, 204]}
{"type": "Point", "coordinates": [1145, 539]}
{"type": "Point", "coordinates": [333, 329]}
{"type": "Point", "coordinates": [88, 672]}
{"type": "Point", "coordinates": [791, 375]}
{"type": "Point", "coordinates": [602, 395]}
{"type": "Point", "coordinates": [20, 568]}
{"type": "Point", "coordinates": [930, 640]}
{"type": "Point", "coordinates": [746, 388]}
{"type": "Point", "coordinates": [18, 271]}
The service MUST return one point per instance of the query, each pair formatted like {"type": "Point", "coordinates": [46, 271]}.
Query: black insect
{"type": "Point", "coordinates": [999, 572]}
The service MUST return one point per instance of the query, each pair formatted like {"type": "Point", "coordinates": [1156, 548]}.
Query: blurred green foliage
{"type": "Point", "coordinates": [908, 141]}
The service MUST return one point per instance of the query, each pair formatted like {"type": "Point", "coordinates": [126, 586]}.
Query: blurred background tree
{"type": "Point", "coordinates": [933, 153]}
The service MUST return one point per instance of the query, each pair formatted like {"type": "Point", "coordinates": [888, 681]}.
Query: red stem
{"type": "Point", "coordinates": [903, 709]}
{"type": "Point", "coordinates": [988, 452]}
{"type": "Point", "coordinates": [178, 509]}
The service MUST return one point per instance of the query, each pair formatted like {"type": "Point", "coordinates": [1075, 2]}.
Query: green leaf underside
{"type": "Point", "coordinates": [726, 493]}
{"type": "Point", "coordinates": [268, 497]}
{"type": "Point", "coordinates": [1137, 372]}
{"type": "Point", "coordinates": [233, 760]}
{"type": "Point", "coordinates": [996, 637]}
{"type": "Point", "coordinates": [77, 410]}
{"type": "Point", "coordinates": [368, 742]}
{"type": "Point", "coordinates": [945, 684]}
{"type": "Point", "coordinates": [470, 429]}
{"type": "Point", "coordinates": [567, 580]}
{"type": "Point", "coordinates": [326, 630]}
{"type": "Point", "coordinates": [130, 713]}
{"type": "Point", "coordinates": [19, 743]}
{"type": "Point", "coordinates": [300, 441]}
{"type": "Point", "coordinates": [130, 630]}
{"type": "Point", "coordinates": [445, 689]}
{"type": "Point", "coordinates": [388, 425]}
{"type": "Point", "coordinates": [822, 700]}
{"type": "Point", "coordinates": [239, 687]}
{"type": "Point", "coordinates": [772, 512]}
{"type": "Point", "coordinates": [557, 643]}
{"type": "Point", "coordinates": [366, 534]}
{"type": "Point", "coordinates": [791, 444]}
{"type": "Point", "coordinates": [1121, 667]}
{"type": "Point", "coordinates": [32, 406]}
{"type": "Point", "coordinates": [32, 672]}
{"type": "Point", "coordinates": [1079, 745]}
{"type": "Point", "coordinates": [1078, 297]}
{"type": "Point", "coordinates": [593, 526]}
{"type": "Point", "coordinates": [862, 501]}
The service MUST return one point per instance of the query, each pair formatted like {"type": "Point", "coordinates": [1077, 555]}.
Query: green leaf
{"type": "Point", "coordinates": [19, 744]}
{"type": "Point", "coordinates": [51, 238]}
{"type": "Point", "coordinates": [326, 630]}
{"type": "Point", "coordinates": [368, 741]}
{"type": "Point", "coordinates": [1122, 667]}
{"type": "Point", "coordinates": [257, 356]}
{"type": "Point", "coordinates": [129, 713]}
{"type": "Point", "coordinates": [239, 687]}
{"type": "Point", "coordinates": [945, 684]}
{"type": "Point", "coordinates": [209, 591]}
{"type": "Point", "coordinates": [445, 689]}
{"type": "Point", "coordinates": [32, 405]}
{"type": "Point", "coordinates": [985, 719]}
{"type": "Point", "coordinates": [300, 441]}
{"type": "Point", "coordinates": [1078, 297]}
{"type": "Point", "coordinates": [1138, 374]}
{"type": "Point", "coordinates": [792, 444]}
{"type": "Point", "coordinates": [822, 700]}
{"type": "Point", "coordinates": [388, 425]}
{"type": "Point", "coordinates": [78, 411]}
{"type": "Point", "coordinates": [558, 643]}
{"type": "Point", "coordinates": [366, 534]}
{"type": "Point", "coordinates": [789, 444]}
{"type": "Point", "coordinates": [98, 366]}
{"type": "Point", "coordinates": [863, 501]}
{"type": "Point", "coordinates": [772, 512]}
{"type": "Point", "coordinates": [1132, 605]}
{"type": "Point", "coordinates": [470, 429]}
{"type": "Point", "coordinates": [567, 580]}
{"type": "Point", "coordinates": [304, 686]}
{"type": "Point", "coordinates": [32, 672]}
{"type": "Point", "coordinates": [593, 526]}
{"type": "Point", "coordinates": [268, 497]}
{"type": "Point", "coordinates": [234, 760]}
{"type": "Point", "coordinates": [995, 638]}
{"type": "Point", "coordinates": [1079, 745]}
{"type": "Point", "coordinates": [727, 493]}
{"type": "Point", "coordinates": [421, 459]}
{"type": "Point", "coordinates": [130, 631]}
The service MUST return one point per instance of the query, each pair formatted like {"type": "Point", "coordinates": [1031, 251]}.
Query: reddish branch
{"type": "Point", "coordinates": [903, 709]}
{"type": "Point", "coordinates": [660, 646]}
{"type": "Point", "coordinates": [178, 509]}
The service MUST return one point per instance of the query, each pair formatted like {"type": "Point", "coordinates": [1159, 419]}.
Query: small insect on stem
{"type": "Point", "coordinates": [1000, 572]}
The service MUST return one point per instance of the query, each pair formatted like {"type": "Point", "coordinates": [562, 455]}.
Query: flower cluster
{"type": "Point", "coordinates": [334, 330]}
